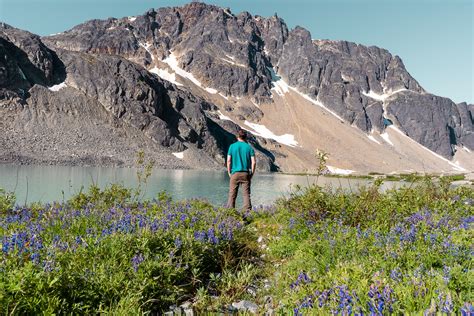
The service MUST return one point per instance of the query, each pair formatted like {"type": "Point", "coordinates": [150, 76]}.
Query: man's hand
{"type": "Point", "coordinates": [229, 162]}
{"type": "Point", "coordinates": [254, 164]}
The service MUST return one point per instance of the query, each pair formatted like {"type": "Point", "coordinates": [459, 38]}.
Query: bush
{"type": "Point", "coordinates": [320, 251]}
{"type": "Point", "coordinates": [107, 256]}
{"type": "Point", "coordinates": [403, 251]}
{"type": "Point", "coordinates": [7, 201]}
{"type": "Point", "coordinates": [368, 206]}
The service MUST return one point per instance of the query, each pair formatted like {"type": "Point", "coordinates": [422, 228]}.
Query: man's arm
{"type": "Point", "coordinates": [229, 161]}
{"type": "Point", "coordinates": [254, 164]}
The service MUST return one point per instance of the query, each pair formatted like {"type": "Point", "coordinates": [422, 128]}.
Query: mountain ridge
{"type": "Point", "coordinates": [237, 64]}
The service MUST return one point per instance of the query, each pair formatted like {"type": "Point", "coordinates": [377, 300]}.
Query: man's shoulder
{"type": "Point", "coordinates": [241, 145]}
{"type": "Point", "coordinates": [248, 148]}
{"type": "Point", "coordinates": [232, 147]}
{"type": "Point", "coordinates": [245, 145]}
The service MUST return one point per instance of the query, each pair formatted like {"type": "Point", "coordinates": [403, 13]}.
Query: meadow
{"type": "Point", "coordinates": [320, 251]}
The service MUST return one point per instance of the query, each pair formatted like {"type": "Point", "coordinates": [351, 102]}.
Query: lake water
{"type": "Point", "coordinates": [55, 183]}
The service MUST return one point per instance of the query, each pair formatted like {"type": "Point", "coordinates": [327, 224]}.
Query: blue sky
{"type": "Point", "coordinates": [434, 38]}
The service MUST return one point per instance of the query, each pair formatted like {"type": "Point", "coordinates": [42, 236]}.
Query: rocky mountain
{"type": "Point", "coordinates": [177, 82]}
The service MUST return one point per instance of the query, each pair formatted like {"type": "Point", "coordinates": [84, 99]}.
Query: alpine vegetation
{"type": "Point", "coordinates": [319, 251]}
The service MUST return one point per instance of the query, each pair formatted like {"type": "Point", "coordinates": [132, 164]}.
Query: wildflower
{"type": "Point", "coordinates": [178, 242]}
{"type": "Point", "coordinates": [396, 275]}
{"type": "Point", "coordinates": [35, 257]}
{"type": "Point", "coordinates": [200, 235]}
{"type": "Point", "coordinates": [446, 303]}
{"type": "Point", "coordinates": [5, 245]}
{"type": "Point", "coordinates": [137, 260]}
{"type": "Point", "coordinates": [446, 274]}
{"type": "Point", "coordinates": [303, 278]}
{"type": "Point", "coordinates": [467, 309]}
{"type": "Point", "coordinates": [78, 240]}
{"type": "Point", "coordinates": [212, 237]}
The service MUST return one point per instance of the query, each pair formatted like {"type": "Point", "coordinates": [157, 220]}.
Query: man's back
{"type": "Point", "coordinates": [241, 153]}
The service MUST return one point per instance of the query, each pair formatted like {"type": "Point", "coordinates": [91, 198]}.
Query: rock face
{"type": "Point", "coordinates": [224, 52]}
{"type": "Point", "coordinates": [466, 133]}
{"type": "Point", "coordinates": [339, 73]}
{"type": "Point", "coordinates": [25, 61]}
{"type": "Point", "coordinates": [129, 94]}
{"type": "Point", "coordinates": [127, 67]}
{"type": "Point", "coordinates": [440, 131]}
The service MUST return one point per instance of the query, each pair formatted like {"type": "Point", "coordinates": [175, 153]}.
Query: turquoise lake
{"type": "Point", "coordinates": [55, 183]}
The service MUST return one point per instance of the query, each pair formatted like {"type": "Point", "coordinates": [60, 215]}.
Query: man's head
{"type": "Point", "coordinates": [242, 135]}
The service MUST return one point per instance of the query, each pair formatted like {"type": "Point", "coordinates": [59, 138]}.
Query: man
{"type": "Point", "coordinates": [241, 168]}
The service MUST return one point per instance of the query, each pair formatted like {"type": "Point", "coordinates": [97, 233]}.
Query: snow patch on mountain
{"type": "Point", "coordinates": [381, 97]}
{"type": "Point", "coordinates": [372, 138]}
{"type": "Point", "coordinates": [263, 131]}
{"type": "Point", "coordinates": [386, 138]}
{"type": "Point", "coordinates": [147, 48]}
{"type": "Point", "coordinates": [316, 102]}
{"type": "Point", "coordinates": [231, 60]}
{"type": "Point", "coordinates": [58, 87]}
{"type": "Point", "coordinates": [336, 170]}
{"type": "Point", "coordinates": [211, 91]}
{"type": "Point", "coordinates": [279, 85]}
{"type": "Point", "coordinates": [166, 75]}
{"type": "Point", "coordinates": [281, 88]}
{"type": "Point", "coordinates": [179, 155]}
{"type": "Point", "coordinates": [223, 117]}
{"type": "Point", "coordinates": [172, 61]}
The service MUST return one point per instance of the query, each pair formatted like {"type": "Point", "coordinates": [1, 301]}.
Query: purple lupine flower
{"type": "Point", "coordinates": [5, 245]}
{"type": "Point", "coordinates": [467, 309]}
{"type": "Point", "coordinates": [396, 275]}
{"type": "Point", "coordinates": [35, 257]}
{"type": "Point", "coordinates": [137, 260]}
{"type": "Point", "coordinates": [446, 274]}
{"type": "Point", "coordinates": [200, 236]}
{"type": "Point", "coordinates": [212, 237]}
{"type": "Point", "coordinates": [78, 240]}
{"type": "Point", "coordinates": [302, 278]}
{"type": "Point", "coordinates": [446, 304]}
{"type": "Point", "coordinates": [178, 242]}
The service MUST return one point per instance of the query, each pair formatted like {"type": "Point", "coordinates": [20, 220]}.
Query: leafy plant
{"type": "Point", "coordinates": [144, 170]}
{"type": "Point", "coordinates": [7, 201]}
{"type": "Point", "coordinates": [322, 158]}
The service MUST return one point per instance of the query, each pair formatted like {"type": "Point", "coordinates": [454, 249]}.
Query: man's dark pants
{"type": "Point", "coordinates": [237, 179]}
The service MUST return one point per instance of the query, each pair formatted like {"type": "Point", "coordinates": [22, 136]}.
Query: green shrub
{"type": "Point", "coordinates": [112, 195]}
{"type": "Point", "coordinates": [402, 251]}
{"type": "Point", "coordinates": [7, 201]}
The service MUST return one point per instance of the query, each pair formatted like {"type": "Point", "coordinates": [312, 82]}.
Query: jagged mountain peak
{"type": "Point", "coordinates": [250, 68]}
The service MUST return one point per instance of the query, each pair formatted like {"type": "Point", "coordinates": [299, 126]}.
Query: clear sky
{"type": "Point", "coordinates": [434, 38]}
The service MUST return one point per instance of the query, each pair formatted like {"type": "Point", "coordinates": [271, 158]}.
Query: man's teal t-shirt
{"type": "Point", "coordinates": [240, 153]}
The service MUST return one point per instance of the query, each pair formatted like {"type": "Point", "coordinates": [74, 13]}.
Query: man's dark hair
{"type": "Point", "coordinates": [242, 134]}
